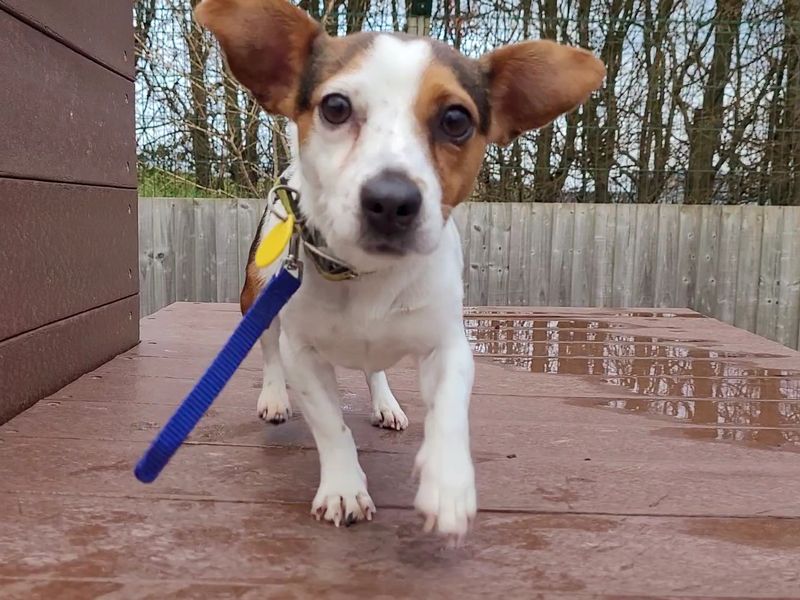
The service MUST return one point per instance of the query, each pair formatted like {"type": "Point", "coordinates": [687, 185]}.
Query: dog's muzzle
{"type": "Point", "coordinates": [390, 211]}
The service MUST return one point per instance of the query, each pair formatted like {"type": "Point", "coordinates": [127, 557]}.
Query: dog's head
{"type": "Point", "coordinates": [391, 128]}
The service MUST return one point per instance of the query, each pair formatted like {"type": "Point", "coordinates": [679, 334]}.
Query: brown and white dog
{"type": "Point", "coordinates": [391, 131]}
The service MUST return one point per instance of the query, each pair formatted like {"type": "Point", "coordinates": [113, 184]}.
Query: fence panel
{"type": "Point", "coordinates": [740, 264]}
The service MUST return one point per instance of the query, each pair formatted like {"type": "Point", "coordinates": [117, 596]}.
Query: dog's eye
{"type": "Point", "coordinates": [335, 109]}
{"type": "Point", "coordinates": [456, 124]}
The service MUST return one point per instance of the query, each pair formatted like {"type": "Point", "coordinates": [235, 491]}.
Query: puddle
{"type": "Point", "coordinates": [517, 340]}
{"type": "Point", "coordinates": [777, 439]}
{"type": "Point", "coordinates": [607, 313]}
{"type": "Point", "coordinates": [675, 380]}
{"type": "Point", "coordinates": [739, 413]}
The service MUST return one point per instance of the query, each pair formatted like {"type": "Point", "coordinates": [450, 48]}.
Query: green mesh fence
{"type": "Point", "coordinates": [701, 103]}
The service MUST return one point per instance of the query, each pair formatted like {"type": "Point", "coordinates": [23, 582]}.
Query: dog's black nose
{"type": "Point", "coordinates": [390, 203]}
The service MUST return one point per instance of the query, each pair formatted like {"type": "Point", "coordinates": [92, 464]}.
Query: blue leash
{"type": "Point", "coordinates": [271, 300]}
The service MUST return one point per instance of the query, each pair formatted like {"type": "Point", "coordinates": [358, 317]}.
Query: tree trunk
{"type": "Point", "coordinates": [198, 118]}
{"type": "Point", "coordinates": [330, 19]}
{"type": "Point", "coordinates": [356, 13]}
{"type": "Point", "coordinates": [601, 136]}
{"type": "Point", "coordinates": [233, 138]}
{"type": "Point", "coordinates": [543, 182]}
{"type": "Point", "coordinates": [651, 136]}
{"type": "Point", "coordinates": [705, 130]}
{"type": "Point", "coordinates": [144, 13]}
{"type": "Point", "coordinates": [789, 140]}
{"type": "Point", "coordinates": [252, 124]}
{"type": "Point", "coordinates": [280, 145]}
{"type": "Point", "coordinates": [395, 16]}
{"type": "Point", "coordinates": [311, 7]}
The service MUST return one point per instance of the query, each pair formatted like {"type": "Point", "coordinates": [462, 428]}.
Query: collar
{"type": "Point", "coordinates": [327, 265]}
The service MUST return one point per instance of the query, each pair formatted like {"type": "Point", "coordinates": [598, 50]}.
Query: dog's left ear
{"type": "Point", "coordinates": [266, 43]}
{"type": "Point", "coordinates": [532, 83]}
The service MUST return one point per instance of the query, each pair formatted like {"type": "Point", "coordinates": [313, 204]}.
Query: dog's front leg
{"type": "Point", "coordinates": [342, 495]}
{"type": "Point", "coordinates": [386, 411]}
{"type": "Point", "coordinates": [446, 494]}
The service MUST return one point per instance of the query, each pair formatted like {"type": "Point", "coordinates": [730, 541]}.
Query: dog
{"type": "Point", "coordinates": [391, 131]}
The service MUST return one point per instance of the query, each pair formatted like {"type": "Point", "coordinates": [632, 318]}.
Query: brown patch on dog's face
{"type": "Point", "coordinates": [456, 161]}
{"type": "Point", "coordinates": [329, 57]}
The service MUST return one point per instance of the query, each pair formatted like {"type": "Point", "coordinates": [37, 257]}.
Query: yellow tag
{"type": "Point", "coordinates": [274, 242]}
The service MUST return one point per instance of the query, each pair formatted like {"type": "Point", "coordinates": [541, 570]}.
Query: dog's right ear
{"type": "Point", "coordinates": [531, 83]}
{"type": "Point", "coordinates": [266, 43]}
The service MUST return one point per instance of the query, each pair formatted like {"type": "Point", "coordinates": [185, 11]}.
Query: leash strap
{"type": "Point", "coordinates": [271, 300]}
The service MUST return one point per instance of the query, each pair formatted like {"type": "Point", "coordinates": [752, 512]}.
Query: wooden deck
{"type": "Point", "coordinates": [618, 454]}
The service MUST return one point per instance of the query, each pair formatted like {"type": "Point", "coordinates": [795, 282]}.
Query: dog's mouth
{"type": "Point", "coordinates": [385, 247]}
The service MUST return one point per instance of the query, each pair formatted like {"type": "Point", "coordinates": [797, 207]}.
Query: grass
{"type": "Point", "coordinates": [155, 183]}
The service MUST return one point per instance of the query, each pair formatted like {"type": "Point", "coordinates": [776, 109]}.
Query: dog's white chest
{"type": "Point", "coordinates": [358, 335]}
{"type": "Point", "coordinates": [374, 322]}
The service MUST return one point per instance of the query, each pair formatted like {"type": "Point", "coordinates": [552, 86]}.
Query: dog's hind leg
{"type": "Point", "coordinates": [273, 402]}
{"type": "Point", "coordinates": [386, 411]}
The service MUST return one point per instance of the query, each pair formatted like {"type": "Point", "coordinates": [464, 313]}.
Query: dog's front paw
{"type": "Point", "coordinates": [446, 496]}
{"type": "Point", "coordinates": [389, 417]}
{"type": "Point", "coordinates": [343, 499]}
{"type": "Point", "coordinates": [273, 404]}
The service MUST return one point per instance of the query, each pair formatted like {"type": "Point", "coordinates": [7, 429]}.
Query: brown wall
{"type": "Point", "coordinates": [68, 209]}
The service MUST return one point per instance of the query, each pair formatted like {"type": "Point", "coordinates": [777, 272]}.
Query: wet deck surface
{"type": "Point", "coordinates": [618, 454]}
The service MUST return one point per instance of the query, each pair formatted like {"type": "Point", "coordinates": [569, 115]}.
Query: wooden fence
{"type": "Point", "coordinates": [740, 264]}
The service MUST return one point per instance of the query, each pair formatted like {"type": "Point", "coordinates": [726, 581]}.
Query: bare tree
{"type": "Point", "coordinates": [144, 12]}
{"type": "Point", "coordinates": [233, 126]}
{"type": "Point", "coordinates": [784, 163]}
{"type": "Point", "coordinates": [252, 126]}
{"type": "Point", "coordinates": [357, 11]}
{"type": "Point", "coordinates": [705, 128]}
{"type": "Point", "coordinates": [198, 48]}
{"type": "Point", "coordinates": [701, 101]}
{"type": "Point", "coordinates": [601, 131]}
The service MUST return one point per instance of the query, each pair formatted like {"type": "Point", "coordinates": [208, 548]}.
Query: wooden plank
{"type": "Point", "coordinates": [97, 28]}
{"type": "Point", "coordinates": [63, 249]}
{"type": "Point", "coordinates": [667, 256]}
{"type": "Point", "coordinates": [499, 242]}
{"type": "Point", "coordinates": [478, 254]}
{"type": "Point", "coordinates": [624, 259]}
{"type": "Point", "coordinates": [686, 272]}
{"type": "Point", "coordinates": [728, 262]}
{"type": "Point", "coordinates": [540, 244]}
{"type": "Point", "coordinates": [184, 241]}
{"type": "Point", "coordinates": [560, 291]}
{"type": "Point", "coordinates": [460, 216]}
{"type": "Point", "coordinates": [227, 250]}
{"type": "Point", "coordinates": [39, 362]}
{"type": "Point", "coordinates": [205, 251]}
{"type": "Point", "coordinates": [519, 255]}
{"type": "Point", "coordinates": [769, 275]}
{"type": "Point", "coordinates": [164, 259]}
{"type": "Point", "coordinates": [705, 300]}
{"type": "Point", "coordinates": [582, 263]}
{"type": "Point", "coordinates": [602, 254]}
{"type": "Point", "coordinates": [749, 264]}
{"type": "Point", "coordinates": [69, 119]}
{"type": "Point", "coordinates": [146, 257]}
{"type": "Point", "coordinates": [788, 304]}
{"type": "Point", "coordinates": [644, 257]}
